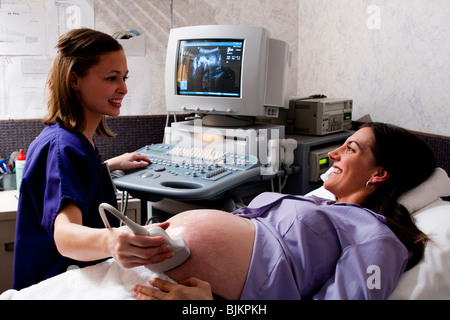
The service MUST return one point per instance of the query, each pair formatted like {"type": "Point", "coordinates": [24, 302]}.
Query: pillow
{"type": "Point", "coordinates": [436, 186]}
{"type": "Point", "coordinates": [429, 279]}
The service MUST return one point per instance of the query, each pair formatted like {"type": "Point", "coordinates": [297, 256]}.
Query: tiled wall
{"type": "Point", "coordinates": [135, 132]}
{"type": "Point", "coordinates": [132, 133]}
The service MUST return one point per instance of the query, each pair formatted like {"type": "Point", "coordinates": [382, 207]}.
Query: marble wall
{"type": "Point", "coordinates": [390, 56]}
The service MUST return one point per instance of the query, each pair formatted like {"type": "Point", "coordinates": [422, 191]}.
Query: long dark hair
{"type": "Point", "coordinates": [409, 161]}
{"type": "Point", "coordinates": [78, 50]}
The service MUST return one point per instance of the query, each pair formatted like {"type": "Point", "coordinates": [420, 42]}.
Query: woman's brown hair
{"type": "Point", "coordinates": [78, 50]}
{"type": "Point", "coordinates": [409, 161]}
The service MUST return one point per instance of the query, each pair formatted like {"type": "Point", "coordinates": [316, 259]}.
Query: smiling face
{"type": "Point", "coordinates": [354, 165]}
{"type": "Point", "coordinates": [103, 88]}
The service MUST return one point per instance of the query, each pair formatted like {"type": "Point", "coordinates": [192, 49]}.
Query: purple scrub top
{"type": "Point", "coordinates": [312, 248]}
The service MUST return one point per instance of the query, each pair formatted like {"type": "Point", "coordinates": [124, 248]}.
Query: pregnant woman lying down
{"type": "Point", "coordinates": [295, 247]}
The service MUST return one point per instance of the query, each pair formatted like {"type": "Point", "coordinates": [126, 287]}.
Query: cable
{"type": "Point", "coordinates": [123, 204]}
{"type": "Point", "coordinates": [284, 183]}
{"type": "Point", "coordinates": [124, 201]}
{"type": "Point", "coordinates": [167, 118]}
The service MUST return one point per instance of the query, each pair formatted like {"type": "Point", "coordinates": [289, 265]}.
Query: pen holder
{"type": "Point", "coordinates": [7, 181]}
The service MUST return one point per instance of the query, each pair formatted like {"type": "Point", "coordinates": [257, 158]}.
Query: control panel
{"type": "Point", "coordinates": [188, 173]}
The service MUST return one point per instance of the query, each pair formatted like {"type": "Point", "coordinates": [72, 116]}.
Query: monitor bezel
{"type": "Point", "coordinates": [253, 72]}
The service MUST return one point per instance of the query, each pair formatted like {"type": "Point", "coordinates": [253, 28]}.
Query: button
{"type": "Point", "coordinates": [159, 168]}
{"type": "Point", "coordinates": [146, 175]}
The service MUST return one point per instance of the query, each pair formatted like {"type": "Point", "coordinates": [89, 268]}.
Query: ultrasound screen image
{"type": "Point", "coordinates": [209, 67]}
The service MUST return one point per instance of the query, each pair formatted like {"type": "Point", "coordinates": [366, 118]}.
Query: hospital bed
{"type": "Point", "coordinates": [427, 280]}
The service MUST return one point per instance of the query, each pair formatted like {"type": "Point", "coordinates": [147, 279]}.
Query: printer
{"type": "Point", "coordinates": [319, 116]}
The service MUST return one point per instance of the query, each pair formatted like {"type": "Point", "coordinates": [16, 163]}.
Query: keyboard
{"type": "Point", "coordinates": [188, 173]}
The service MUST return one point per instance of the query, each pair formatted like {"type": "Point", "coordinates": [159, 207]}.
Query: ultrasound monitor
{"type": "Point", "coordinates": [226, 74]}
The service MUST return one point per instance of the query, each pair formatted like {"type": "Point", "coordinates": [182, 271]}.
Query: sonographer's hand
{"type": "Point", "coordinates": [131, 250]}
{"type": "Point", "coordinates": [189, 289]}
{"type": "Point", "coordinates": [128, 161]}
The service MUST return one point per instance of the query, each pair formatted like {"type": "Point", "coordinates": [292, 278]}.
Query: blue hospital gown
{"type": "Point", "coordinates": [312, 248]}
{"type": "Point", "coordinates": [61, 167]}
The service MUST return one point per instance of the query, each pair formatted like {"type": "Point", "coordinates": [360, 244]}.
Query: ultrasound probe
{"type": "Point", "coordinates": [179, 248]}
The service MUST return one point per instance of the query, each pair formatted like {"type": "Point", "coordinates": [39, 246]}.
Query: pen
{"type": "Point", "coordinates": [3, 166]}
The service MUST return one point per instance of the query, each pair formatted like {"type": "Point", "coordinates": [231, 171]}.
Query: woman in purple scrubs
{"type": "Point", "coordinates": [64, 180]}
{"type": "Point", "coordinates": [295, 247]}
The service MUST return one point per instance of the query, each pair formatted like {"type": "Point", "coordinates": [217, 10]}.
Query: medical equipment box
{"type": "Point", "coordinates": [319, 162]}
{"type": "Point", "coordinates": [319, 116]}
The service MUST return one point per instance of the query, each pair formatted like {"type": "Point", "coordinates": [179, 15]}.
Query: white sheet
{"type": "Point", "coordinates": [103, 281]}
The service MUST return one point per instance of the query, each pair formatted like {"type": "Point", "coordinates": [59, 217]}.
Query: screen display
{"type": "Point", "coordinates": [323, 163]}
{"type": "Point", "coordinates": [209, 67]}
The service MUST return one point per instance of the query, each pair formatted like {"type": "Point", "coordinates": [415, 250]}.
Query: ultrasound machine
{"type": "Point", "coordinates": [226, 76]}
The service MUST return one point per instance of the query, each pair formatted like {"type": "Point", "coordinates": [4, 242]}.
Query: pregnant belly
{"type": "Point", "coordinates": [221, 249]}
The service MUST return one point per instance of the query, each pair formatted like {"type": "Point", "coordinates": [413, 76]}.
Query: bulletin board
{"type": "Point", "coordinates": [29, 30]}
